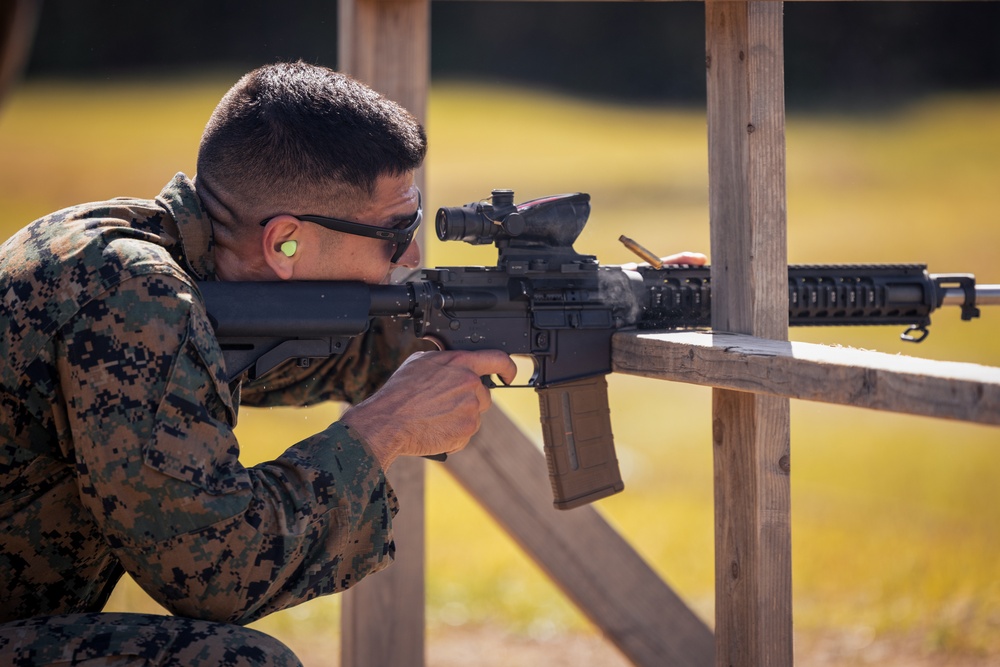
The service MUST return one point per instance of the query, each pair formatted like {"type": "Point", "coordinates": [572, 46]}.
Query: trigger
{"type": "Point", "coordinates": [488, 381]}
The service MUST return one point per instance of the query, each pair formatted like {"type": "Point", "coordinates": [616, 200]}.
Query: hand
{"type": "Point", "coordinates": [692, 258]}
{"type": "Point", "coordinates": [430, 405]}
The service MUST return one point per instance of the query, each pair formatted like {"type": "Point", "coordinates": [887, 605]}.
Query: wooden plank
{"type": "Point", "coordinates": [746, 119]}
{"type": "Point", "coordinates": [746, 135]}
{"type": "Point", "coordinates": [590, 562]}
{"type": "Point", "coordinates": [861, 378]}
{"type": "Point", "coordinates": [385, 43]}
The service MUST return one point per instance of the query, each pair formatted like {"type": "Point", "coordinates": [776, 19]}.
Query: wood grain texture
{"type": "Point", "coordinates": [752, 529]}
{"type": "Point", "coordinates": [746, 146]}
{"type": "Point", "coordinates": [746, 143]}
{"type": "Point", "coordinates": [589, 561]}
{"type": "Point", "coordinates": [845, 376]}
{"type": "Point", "coordinates": [386, 44]}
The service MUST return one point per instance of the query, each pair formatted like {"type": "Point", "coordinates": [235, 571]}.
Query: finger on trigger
{"type": "Point", "coordinates": [487, 363]}
{"type": "Point", "coordinates": [504, 367]}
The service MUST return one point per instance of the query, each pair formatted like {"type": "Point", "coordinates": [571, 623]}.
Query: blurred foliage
{"type": "Point", "coordinates": [836, 52]}
{"type": "Point", "coordinates": [894, 517]}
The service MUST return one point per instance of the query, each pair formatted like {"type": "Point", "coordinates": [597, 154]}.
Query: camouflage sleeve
{"type": "Point", "coordinates": [158, 468]}
{"type": "Point", "coordinates": [364, 366]}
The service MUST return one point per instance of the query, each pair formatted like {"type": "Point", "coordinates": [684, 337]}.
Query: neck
{"type": "Point", "coordinates": [237, 255]}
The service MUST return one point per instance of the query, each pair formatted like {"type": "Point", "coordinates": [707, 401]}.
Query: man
{"type": "Point", "coordinates": [117, 450]}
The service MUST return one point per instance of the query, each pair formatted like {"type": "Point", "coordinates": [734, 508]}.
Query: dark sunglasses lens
{"type": "Point", "coordinates": [412, 229]}
{"type": "Point", "coordinates": [400, 250]}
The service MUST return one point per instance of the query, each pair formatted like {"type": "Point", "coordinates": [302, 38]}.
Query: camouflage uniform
{"type": "Point", "coordinates": [117, 450]}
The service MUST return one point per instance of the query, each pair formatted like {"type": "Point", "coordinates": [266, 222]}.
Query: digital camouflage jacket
{"type": "Point", "coordinates": [117, 449]}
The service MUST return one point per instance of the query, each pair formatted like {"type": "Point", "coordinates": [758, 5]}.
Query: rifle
{"type": "Point", "coordinates": [561, 308]}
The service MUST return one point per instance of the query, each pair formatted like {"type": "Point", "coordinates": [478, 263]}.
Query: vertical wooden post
{"type": "Point", "coordinates": [382, 618]}
{"type": "Point", "coordinates": [385, 43]}
{"type": "Point", "coordinates": [746, 124]}
{"type": "Point", "coordinates": [18, 20]}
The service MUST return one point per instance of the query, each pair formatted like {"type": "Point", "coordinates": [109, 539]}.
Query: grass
{"type": "Point", "coordinates": [895, 518]}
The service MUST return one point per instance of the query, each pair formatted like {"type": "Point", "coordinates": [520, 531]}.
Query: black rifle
{"type": "Point", "coordinates": [545, 300]}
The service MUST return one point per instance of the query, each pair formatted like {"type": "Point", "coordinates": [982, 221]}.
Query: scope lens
{"type": "Point", "coordinates": [464, 223]}
{"type": "Point", "coordinates": [441, 224]}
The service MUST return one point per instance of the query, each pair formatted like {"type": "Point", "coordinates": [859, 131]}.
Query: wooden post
{"type": "Point", "coordinates": [18, 20]}
{"type": "Point", "coordinates": [746, 124]}
{"type": "Point", "coordinates": [384, 43]}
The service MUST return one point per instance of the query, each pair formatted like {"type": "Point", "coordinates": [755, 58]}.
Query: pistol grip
{"type": "Point", "coordinates": [579, 446]}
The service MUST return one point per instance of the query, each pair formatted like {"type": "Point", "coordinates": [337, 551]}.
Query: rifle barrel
{"type": "Point", "coordinates": [986, 295]}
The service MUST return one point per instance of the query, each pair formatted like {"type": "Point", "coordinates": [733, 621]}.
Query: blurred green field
{"type": "Point", "coordinates": [896, 519]}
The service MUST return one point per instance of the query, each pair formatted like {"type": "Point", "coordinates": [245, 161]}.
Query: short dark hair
{"type": "Point", "coordinates": [295, 127]}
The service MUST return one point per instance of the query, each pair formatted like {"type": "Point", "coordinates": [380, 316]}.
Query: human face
{"type": "Point", "coordinates": [338, 255]}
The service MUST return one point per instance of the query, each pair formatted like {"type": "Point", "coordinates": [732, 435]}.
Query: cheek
{"type": "Point", "coordinates": [411, 258]}
{"type": "Point", "coordinates": [354, 258]}
{"type": "Point", "coordinates": [370, 263]}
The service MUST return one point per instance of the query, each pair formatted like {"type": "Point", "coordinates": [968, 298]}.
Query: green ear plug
{"type": "Point", "coordinates": [288, 247]}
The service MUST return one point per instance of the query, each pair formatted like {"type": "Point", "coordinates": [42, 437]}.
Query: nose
{"type": "Point", "coordinates": [411, 257]}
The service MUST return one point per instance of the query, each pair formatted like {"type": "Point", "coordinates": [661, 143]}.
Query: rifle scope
{"type": "Point", "coordinates": [554, 221]}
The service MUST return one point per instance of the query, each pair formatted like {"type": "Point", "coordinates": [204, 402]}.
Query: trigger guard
{"type": "Point", "coordinates": [490, 383]}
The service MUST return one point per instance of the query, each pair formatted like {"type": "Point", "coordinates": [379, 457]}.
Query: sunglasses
{"type": "Point", "coordinates": [401, 234]}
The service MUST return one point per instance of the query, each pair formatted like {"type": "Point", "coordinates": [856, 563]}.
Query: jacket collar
{"type": "Point", "coordinates": [194, 225]}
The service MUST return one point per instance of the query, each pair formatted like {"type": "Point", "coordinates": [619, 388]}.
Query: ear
{"type": "Point", "coordinates": [281, 245]}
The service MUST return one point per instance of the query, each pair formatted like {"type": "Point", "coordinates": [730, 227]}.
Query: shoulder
{"type": "Point", "coordinates": [59, 263]}
{"type": "Point", "coordinates": [86, 249]}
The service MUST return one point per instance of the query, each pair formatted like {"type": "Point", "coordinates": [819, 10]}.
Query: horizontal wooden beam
{"type": "Point", "coordinates": [582, 554]}
{"type": "Point", "coordinates": [950, 390]}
